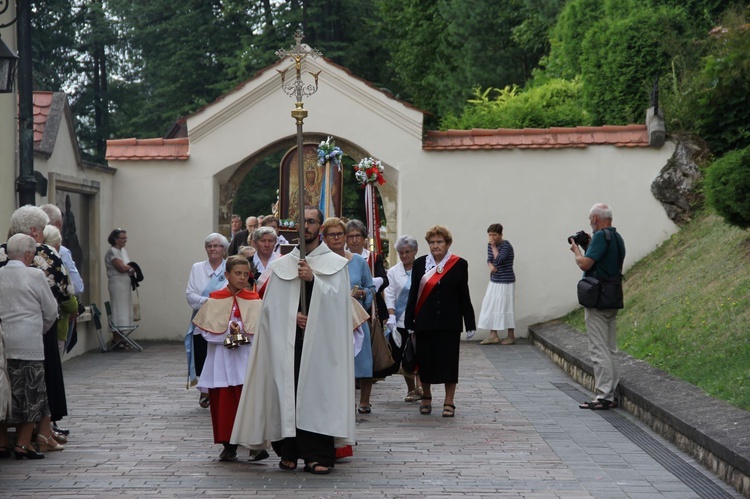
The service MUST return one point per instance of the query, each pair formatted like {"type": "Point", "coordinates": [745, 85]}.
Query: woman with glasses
{"type": "Point", "coordinates": [363, 290]}
{"type": "Point", "coordinates": [438, 308]}
{"type": "Point", "coordinates": [116, 261]}
{"type": "Point", "coordinates": [205, 277]}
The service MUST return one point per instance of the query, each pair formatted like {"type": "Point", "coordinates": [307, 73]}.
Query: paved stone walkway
{"type": "Point", "coordinates": [137, 432]}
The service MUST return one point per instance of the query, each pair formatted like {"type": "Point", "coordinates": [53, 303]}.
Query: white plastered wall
{"type": "Point", "coordinates": [540, 196]}
{"type": "Point", "coordinates": [8, 134]}
{"type": "Point", "coordinates": [64, 172]}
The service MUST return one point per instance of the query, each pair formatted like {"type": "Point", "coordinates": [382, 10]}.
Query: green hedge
{"type": "Point", "coordinates": [727, 183]}
{"type": "Point", "coordinates": [555, 103]}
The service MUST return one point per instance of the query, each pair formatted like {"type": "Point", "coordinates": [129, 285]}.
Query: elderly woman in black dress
{"type": "Point", "coordinates": [439, 307]}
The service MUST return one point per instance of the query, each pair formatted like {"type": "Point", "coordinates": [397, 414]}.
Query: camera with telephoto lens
{"type": "Point", "coordinates": [581, 239]}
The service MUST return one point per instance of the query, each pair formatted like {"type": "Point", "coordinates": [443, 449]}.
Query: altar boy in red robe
{"type": "Point", "coordinates": [227, 321]}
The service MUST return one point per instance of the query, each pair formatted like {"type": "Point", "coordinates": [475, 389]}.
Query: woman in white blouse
{"type": "Point", "coordinates": [205, 277]}
{"type": "Point", "coordinates": [116, 261]}
{"type": "Point", "coordinates": [396, 296]}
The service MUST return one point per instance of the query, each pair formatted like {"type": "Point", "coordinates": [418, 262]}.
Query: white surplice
{"type": "Point", "coordinates": [325, 393]}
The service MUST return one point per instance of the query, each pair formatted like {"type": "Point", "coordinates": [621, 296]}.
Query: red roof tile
{"type": "Point", "coordinates": [42, 105]}
{"type": "Point", "coordinates": [537, 138]}
{"type": "Point", "coordinates": [148, 149]}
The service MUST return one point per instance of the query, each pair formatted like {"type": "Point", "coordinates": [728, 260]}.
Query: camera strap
{"type": "Point", "coordinates": [620, 254]}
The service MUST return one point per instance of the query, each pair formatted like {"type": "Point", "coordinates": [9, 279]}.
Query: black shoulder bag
{"type": "Point", "coordinates": [604, 293]}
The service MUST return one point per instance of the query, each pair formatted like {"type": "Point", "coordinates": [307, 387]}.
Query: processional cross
{"type": "Point", "coordinates": [298, 89]}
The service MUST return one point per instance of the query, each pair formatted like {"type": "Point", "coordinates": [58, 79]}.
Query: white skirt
{"type": "Point", "coordinates": [497, 307]}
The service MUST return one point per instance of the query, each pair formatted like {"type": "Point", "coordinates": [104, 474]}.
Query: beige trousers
{"type": "Point", "coordinates": [601, 326]}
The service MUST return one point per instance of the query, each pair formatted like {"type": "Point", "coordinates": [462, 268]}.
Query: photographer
{"type": "Point", "coordinates": [603, 260]}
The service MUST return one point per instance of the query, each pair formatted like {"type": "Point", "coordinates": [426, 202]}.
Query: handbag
{"type": "Point", "coordinates": [136, 307]}
{"type": "Point", "coordinates": [604, 293]}
{"type": "Point", "coordinates": [381, 350]}
{"type": "Point", "coordinates": [409, 357]}
{"type": "Point", "coordinates": [589, 289]}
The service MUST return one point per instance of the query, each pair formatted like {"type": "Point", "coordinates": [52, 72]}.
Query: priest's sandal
{"type": "Point", "coordinates": [317, 469]}
{"type": "Point", "coordinates": [287, 465]}
{"type": "Point", "coordinates": [425, 409]}
{"type": "Point", "coordinates": [449, 410]}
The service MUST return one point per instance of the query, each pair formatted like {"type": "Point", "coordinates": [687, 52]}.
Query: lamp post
{"type": "Point", "coordinates": [8, 58]}
{"type": "Point", "coordinates": [25, 183]}
{"type": "Point", "coordinates": [8, 61]}
{"type": "Point", "coordinates": [298, 89]}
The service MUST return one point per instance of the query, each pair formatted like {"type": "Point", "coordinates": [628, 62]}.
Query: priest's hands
{"type": "Point", "coordinates": [304, 271]}
{"type": "Point", "coordinates": [301, 320]}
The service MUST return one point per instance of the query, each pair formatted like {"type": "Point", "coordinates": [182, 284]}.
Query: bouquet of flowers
{"type": "Point", "coordinates": [288, 223]}
{"type": "Point", "coordinates": [368, 171]}
{"type": "Point", "coordinates": [329, 151]}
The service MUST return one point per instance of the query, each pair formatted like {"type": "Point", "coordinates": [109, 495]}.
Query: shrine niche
{"type": "Point", "coordinates": [314, 184]}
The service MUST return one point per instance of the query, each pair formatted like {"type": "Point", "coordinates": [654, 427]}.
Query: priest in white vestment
{"type": "Point", "coordinates": [299, 386]}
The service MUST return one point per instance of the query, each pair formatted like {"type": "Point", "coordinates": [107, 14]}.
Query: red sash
{"type": "Point", "coordinates": [262, 281]}
{"type": "Point", "coordinates": [429, 280]}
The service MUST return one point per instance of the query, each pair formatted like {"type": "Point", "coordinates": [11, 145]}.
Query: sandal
{"type": "Point", "coordinates": [449, 410]}
{"type": "Point", "coordinates": [313, 468]}
{"type": "Point", "coordinates": [425, 409]}
{"type": "Point", "coordinates": [412, 396]}
{"type": "Point", "coordinates": [204, 401]}
{"type": "Point", "coordinates": [364, 409]}
{"type": "Point", "coordinates": [508, 341]}
{"type": "Point", "coordinates": [287, 467]}
{"type": "Point", "coordinates": [597, 405]}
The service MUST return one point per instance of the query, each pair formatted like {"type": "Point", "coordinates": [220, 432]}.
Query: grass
{"type": "Point", "coordinates": [687, 308]}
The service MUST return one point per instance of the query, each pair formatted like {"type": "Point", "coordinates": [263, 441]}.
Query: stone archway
{"type": "Point", "coordinates": [387, 192]}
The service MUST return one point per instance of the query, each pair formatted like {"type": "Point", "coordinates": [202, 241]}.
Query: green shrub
{"type": "Point", "coordinates": [727, 183]}
{"type": "Point", "coordinates": [566, 37]}
{"type": "Point", "coordinates": [622, 56]}
{"type": "Point", "coordinates": [555, 103]}
{"type": "Point", "coordinates": [720, 95]}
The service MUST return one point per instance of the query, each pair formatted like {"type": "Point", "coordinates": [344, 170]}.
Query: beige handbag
{"type": "Point", "coordinates": [136, 307]}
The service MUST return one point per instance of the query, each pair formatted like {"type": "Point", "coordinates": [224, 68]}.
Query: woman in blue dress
{"type": "Point", "coordinates": [363, 289]}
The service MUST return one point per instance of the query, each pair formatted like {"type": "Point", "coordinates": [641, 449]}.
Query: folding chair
{"type": "Point", "coordinates": [122, 331]}
{"type": "Point", "coordinates": [96, 317]}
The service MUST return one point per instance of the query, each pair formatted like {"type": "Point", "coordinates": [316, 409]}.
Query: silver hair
{"type": "Point", "coordinates": [258, 233]}
{"type": "Point", "coordinates": [26, 218]}
{"type": "Point", "coordinates": [54, 214]}
{"type": "Point", "coordinates": [241, 251]}
{"type": "Point", "coordinates": [601, 210]}
{"type": "Point", "coordinates": [215, 236]}
{"type": "Point", "coordinates": [52, 236]}
{"type": "Point", "coordinates": [356, 225]}
{"type": "Point", "coordinates": [20, 244]}
{"type": "Point", "coordinates": [404, 242]}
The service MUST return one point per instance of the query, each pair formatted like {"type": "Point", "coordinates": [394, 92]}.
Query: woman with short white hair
{"type": "Point", "coordinates": [31, 220]}
{"type": "Point", "coordinates": [26, 318]}
{"type": "Point", "coordinates": [264, 240]}
{"type": "Point", "coordinates": [53, 239]}
{"type": "Point", "coordinates": [396, 296]}
{"type": "Point", "coordinates": [206, 277]}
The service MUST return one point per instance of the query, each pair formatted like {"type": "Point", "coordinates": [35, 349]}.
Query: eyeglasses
{"type": "Point", "coordinates": [335, 235]}
{"type": "Point", "coordinates": [354, 236]}
{"type": "Point", "coordinates": [312, 221]}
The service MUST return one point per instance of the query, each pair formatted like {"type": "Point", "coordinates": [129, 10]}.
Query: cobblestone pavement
{"type": "Point", "coordinates": [136, 431]}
